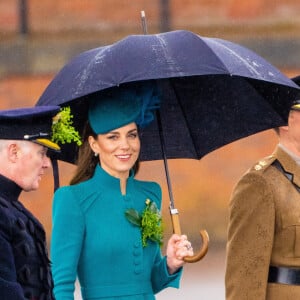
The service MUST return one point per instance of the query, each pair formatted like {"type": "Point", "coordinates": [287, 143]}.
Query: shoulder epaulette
{"type": "Point", "coordinates": [264, 163]}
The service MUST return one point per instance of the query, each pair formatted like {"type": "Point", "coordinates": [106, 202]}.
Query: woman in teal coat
{"type": "Point", "coordinates": [95, 234]}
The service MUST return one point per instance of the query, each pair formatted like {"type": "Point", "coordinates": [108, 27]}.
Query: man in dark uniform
{"type": "Point", "coordinates": [263, 248]}
{"type": "Point", "coordinates": [24, 265]}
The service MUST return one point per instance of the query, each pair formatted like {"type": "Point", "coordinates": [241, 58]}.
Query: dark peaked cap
{"type": "Point", "coordinates": [296, 104]}
{"type": "Point", "coordinates": [32, 124]}
{"type": "Point", "coordinates": [296, 79]}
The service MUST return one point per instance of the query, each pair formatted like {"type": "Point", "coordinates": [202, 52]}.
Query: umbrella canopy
{"type": "Point", "coordinates": [213, 91]}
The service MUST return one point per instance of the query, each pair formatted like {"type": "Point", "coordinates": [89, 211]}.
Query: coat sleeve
{"type": "Point", "coordinates": [66, 242]}
{"type": "Point", "coordinates": [160, 276]}
{"type": "Point", "coordinates": [250, 239]}
{"type": "Point", "coordinates": [9, 286]}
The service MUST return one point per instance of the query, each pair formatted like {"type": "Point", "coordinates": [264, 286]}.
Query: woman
{"type": "Point", "coordinates": [92, 237]}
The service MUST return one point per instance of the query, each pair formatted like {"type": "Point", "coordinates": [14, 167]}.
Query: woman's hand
{"type": "Point", "coordinates": [177, 248]}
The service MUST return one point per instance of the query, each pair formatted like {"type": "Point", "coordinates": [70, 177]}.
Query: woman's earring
{"type": "Point", "coordinates": [96, 154]}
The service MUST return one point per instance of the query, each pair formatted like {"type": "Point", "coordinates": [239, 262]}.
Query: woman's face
{"type": "Point", "coordinates": [118, 149]}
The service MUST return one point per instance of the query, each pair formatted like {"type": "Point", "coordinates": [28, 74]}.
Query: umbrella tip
{"type": "Point", "coordinates": [144, 23]}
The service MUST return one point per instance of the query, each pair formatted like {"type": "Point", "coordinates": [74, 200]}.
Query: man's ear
{"type": "Point", "coordinates": [12, 152]}
{"type": "Point", "coordinates": [284, 128]}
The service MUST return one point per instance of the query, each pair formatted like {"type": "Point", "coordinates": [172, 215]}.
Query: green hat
{"type": "Point", "coordinates": [122, 105]}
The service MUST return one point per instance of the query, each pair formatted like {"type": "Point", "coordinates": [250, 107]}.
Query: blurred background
{"type": "Point", "coordinates": [38, 37]}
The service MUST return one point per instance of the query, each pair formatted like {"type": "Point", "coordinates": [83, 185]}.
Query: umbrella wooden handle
{"type": "Point", "coordinates": [203, 250]}
{"type": "Point", "coordinates": [204, 236]}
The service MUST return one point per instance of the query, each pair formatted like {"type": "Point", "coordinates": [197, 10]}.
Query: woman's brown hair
{"type": "Point", "coordinates": [86, 161]}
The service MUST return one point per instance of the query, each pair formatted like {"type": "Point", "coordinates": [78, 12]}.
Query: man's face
{"type": "Point", "coordinates": [294, 128]}
{"type": "Point", "coordinates": [32, 161]}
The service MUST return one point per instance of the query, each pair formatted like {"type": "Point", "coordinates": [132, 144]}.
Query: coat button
{"type": "Point", "coordinates": [136, 252]}
{"type": "Point", "coordinates": [137, 270]}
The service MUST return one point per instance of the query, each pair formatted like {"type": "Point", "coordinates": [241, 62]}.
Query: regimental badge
{"type": "Point", "coordinates": [257, 167]}
{"type": "Point", "coordinates": [260, 165]}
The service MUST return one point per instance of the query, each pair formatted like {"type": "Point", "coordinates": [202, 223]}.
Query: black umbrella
{"type": "Point", "coordinates": [213, 91]}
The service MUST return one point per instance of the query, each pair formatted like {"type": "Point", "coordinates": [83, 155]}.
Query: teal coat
{"type": "Point", "coordinates": [92, 239]}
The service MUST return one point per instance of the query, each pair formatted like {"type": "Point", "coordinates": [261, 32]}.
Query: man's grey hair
{"type": "Point", "coordinates": [4, 143]}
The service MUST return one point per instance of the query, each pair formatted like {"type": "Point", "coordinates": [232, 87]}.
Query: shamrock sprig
{"type": "Point", "coordinates": [150, 222]}
{"type": "Point", "coordinates": [62, 128]}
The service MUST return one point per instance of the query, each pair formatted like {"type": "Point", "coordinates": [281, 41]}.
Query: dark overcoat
{"type": "Point", "coordinates": [24, 265]}
{"type": "Point", "coordinates": [264, 230]}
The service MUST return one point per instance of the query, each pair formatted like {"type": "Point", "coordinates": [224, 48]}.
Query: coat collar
{"type": "Point", "coordinates": [9, 189]}
{"type": "Point", "coordinates": [101, 175]}
{"type": "Point", "coordinates": [288, 164]}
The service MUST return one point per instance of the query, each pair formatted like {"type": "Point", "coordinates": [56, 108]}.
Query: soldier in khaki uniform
{"type": "Point", "coordinates": [263, 249]}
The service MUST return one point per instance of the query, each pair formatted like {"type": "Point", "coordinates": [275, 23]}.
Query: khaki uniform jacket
{"type": "Point", "coordinates": [264, 229]}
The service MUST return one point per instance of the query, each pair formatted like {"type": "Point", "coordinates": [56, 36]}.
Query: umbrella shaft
{"type": "Point", "coordinates": [161, 136]}
{"type": "Point", "coordinates": [163, 149]}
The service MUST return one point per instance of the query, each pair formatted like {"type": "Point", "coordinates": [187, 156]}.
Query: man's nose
{"type": "Point", "coordinates": [47, 162]}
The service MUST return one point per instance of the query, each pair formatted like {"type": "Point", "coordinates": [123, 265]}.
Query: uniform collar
{"type": "Point", "coordinates": [288, 163]}
{"type": "Point", "coordinates": [9, 189]}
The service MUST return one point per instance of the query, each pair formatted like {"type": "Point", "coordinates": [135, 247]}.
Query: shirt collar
{"type": "Point", "coordinates": [290, 153]}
